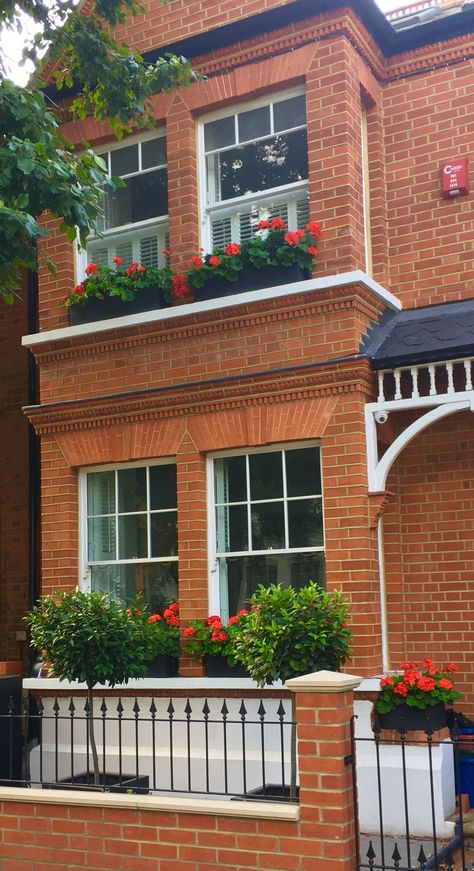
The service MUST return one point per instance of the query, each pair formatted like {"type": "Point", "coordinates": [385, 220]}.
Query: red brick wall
{"type": "Point", "coordinates": [14, 495]}
{"type": "Point", "coordinates": [429, 551]}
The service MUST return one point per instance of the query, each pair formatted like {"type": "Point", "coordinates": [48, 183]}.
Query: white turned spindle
{"type": "Point", "coordinates": [468, 371]}
{"type": "Point", "coordinates": [432, 371]}
{"type": "Point", "coordinates": [397, 374]}
{"type": "Point", "coordinates": [449, 370]}
{"type": "Point", "coordinates": [414, 382]}
{"type": "Point", "coordinates": [381, 395]}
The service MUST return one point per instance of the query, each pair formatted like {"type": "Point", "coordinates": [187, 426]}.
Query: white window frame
{"type": "Point", "coordinates": [217, 604]}
{"type": "Point", "coordinates": [85, 563]}
{"type": "Point", "coordinates": [258, 198]}
{"type": "Point", "coordinates": [132, 228]}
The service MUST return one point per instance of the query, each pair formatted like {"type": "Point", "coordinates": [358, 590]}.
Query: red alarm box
{"type": "Point", "coordinates": [455, 178]}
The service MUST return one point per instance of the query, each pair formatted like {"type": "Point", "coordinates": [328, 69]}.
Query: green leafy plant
{"type": "Point", "coordinates": [211, 638]}
{"type": "Point", "coordinates": [420, 686]}
{"type": "Point", "coordinates": [89, 637]}
{"type": "Point", "coordinates": [290, 632]}
{"type": "Point", "coordinates": [119, 281]}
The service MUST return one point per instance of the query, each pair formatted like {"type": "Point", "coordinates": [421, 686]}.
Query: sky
{"type": "Point", "coordinates": [11, 46]}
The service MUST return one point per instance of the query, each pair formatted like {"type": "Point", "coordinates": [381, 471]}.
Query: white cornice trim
{"type": "Point", "coordinates": [327, 282]}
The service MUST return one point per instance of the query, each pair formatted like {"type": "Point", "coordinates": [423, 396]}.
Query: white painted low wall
{"type": "Point", "coordinates": [392, 791]}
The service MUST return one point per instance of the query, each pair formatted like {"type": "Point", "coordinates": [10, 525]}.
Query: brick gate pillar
{"type": "Point", "coordinates": [324, 707]}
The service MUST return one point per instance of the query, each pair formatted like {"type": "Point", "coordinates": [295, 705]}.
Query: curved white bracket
{"type": "Point", "coordinates": [379, 469]}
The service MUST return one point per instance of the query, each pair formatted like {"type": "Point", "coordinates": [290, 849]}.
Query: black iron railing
{"type": "Point", "coordinates": [385, 846]}
{"type": "Point", "coordinates": [231, 747]}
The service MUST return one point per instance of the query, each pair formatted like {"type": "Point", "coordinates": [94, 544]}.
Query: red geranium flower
{"type": "Point", "coordinates": [401, 689]}
{"type": "Point", "coordinates": [426, 684]}
{"type": "Point", "coordinates": [445, 684]}
{"type": "Point", "coordinates": [452, 667]}
{"type": "Point", "coordinates": [180, 285]}
{"type": "Point", "coordinates": [411, 676]}
{"type": "Point", "coordinates": [189, 632]}
{"type": "Point", "coordinates": [312, 250]}
{"type": "Point", "coordinates": [91, 269]}
{"type": "Point", "coordinates": [233, 621]}
{"type": "Point", "coordinates": [154, 618]}
{"type": "Point", "coordinates": [314, 229]}
{"type": "Point", "coordinates": [263, 225]}
{"type": "Point", "coordinates": [172, 621]}
{"type": "Point", "coordinates": [292, 238]}
{"type": "Point", "coordinates": [118, 260]}
{"type": "Point", "coordinates": [174, 606]}
{"type": "Point", "coordinates": [386, 682]}
{"type": "Point", "coordinates": [232, 249]}
{"type": "Point", "coordinates": [277, 224]}
{"type": "Point", "coordinates": [79, 289]}
{"type": "Point", "coordinates": [242, 613]}
{"type": "Point", "coordinates": [196, 261]}
{"type": "Point", "coordinates": [165, 251]}
{"type": "Point", "coordinates": [218, 635]}
{"type": "Point", "coordinates": [213, 619]}
{"type": "Point", "coordinates": [215, 261]}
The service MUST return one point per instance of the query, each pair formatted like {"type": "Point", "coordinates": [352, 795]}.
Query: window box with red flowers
{"type": "Point", "coordinates": [115, 292]}
{"type": "Point", "coordinates": [417, 698]}
{"type": "Point", "coordinates": [209, 640]}
{"type": "Point", "coordinates": [162, 632]}
{"type": "Point", "coordinates": [273, 256]}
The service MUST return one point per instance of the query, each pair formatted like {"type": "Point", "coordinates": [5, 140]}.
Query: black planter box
{"type": "Point", "coordinates": [163, 666]}
{"type": "Point", "coordinates": [250, 278]}
{"type": "Point", "coordinates": [147, 299]}
{"type": "Point", "coordinates": [217, 666]}
{"type": "Point", "coordinates": [405, 717]}
{"type": "Point", "coordinates": [111, 783]}
{"type": "Point", "coordinates": [270, 792]}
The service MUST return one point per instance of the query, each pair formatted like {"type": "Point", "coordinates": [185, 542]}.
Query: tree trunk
{"type": "Point", "coordinates": [95, 757]}
{"type": "Point", "coordinates": [293, 749]}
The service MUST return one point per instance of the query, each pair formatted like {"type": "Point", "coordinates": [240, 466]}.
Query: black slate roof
{"type": "Point", "coordinates": [422, 335]}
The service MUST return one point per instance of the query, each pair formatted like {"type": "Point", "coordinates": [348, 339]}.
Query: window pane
{"type": "Point", "coordinates": [163, 486]}
{"type": "Point", "coordinates": [101, 493]}
{"type": "Point", "coordinates": [218, 134]}
{"type": "Point", "coordinates": [245, 573]}
{"type": "Point", "coordinates": [124, 160]}
{"type": "Point", "coordinates": [303, 472]}
{"type": "Point", "coordinates": [132, 536]}
{"type": "Point", "coordinates": [160, 583]}
{"type": "Point", "coordinates": [230, 480]}
{"type": "Point", "coordinates": [266, 477]}
{"type": "Point", "coordinates": [305, 522]}
{"type": "Point", "coordinates": [164, 534]}
{"type": "Point", "coordinates": [144, 196]}
{"type": "Point", "coordinates": [289, 113]}
{"type": "Point", "coordinates": [254, 123]}
{"type": "Point", "coordinates": [268, 526]}
{"type": "Point", "coordinates": [272, 162]}
{"type": "Point", "coordinates": [154, 152]}
{"type": "Point", "coordinates": [157, 581]}
{"type": "Point", "coordinates": [101, 538]}
{"type": "Point", "coordinates": [132, 490]}
{"type": "Point", "coordinates": [231, 528]}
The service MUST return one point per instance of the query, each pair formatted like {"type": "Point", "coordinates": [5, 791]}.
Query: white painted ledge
{"type": "Point", "coordinates": [212, 807]}
{"type": "Point", "coordinates": [50, 685]}
{"type": "Point", "coordinates": [176, 312]}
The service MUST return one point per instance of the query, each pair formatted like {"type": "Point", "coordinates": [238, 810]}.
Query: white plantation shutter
{"type": "Point", "coordinates": [143, 246]}
{"type": "Point", "coordinates": [238, 224]}
{"type": "Point", "coordinates": [122, 249]}
{"type": "Point", "coordinates": [149, 251]}
{"type": "Point", "coordinates": [221, 230]}
{"type": "Point", "coordinates": [302, 212]}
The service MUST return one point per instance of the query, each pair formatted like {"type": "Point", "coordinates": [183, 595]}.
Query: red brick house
{"type": "Point", "coordinates": [202, 448]}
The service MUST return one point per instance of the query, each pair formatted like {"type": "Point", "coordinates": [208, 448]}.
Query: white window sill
{"type": "Point", "coordinates": [50, 685]}
{"type": "Point", "coordinates": [220, 303]}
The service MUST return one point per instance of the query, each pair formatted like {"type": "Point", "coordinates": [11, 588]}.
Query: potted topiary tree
{"type": "Point", "coordinates": [88, 637]}
{"type": "Point", "coordinates": [289, 632]}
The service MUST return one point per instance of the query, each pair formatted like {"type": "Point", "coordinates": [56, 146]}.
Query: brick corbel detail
{"type": "Point", "coordinates": [377, 504]}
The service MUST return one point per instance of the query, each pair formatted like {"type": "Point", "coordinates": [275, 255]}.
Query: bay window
{"type": "Point", "coordinates": [129, 532]}
{"type": "Point", "coordinates": [134, 220]}
{"type": "Point", "coordinates": [266, 522]}
{"type": "Point", "coordinates": [255, 166]}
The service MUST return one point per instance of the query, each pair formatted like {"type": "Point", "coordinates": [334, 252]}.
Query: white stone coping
{"type": "Point", "coordinates": [323, 682]}
{"type": "Point", "coordinates": [176, 312]}
{"type": "Point", "coordinates": [270, 810]}
{"type": "Point", "coordinates": [50, 685]}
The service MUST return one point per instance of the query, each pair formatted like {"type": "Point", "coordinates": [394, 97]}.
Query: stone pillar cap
{"type": "Point", "coordinates": [323, 682]}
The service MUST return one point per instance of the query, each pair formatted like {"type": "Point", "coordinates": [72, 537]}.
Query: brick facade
{"type": "Point", "coordinates": [264, 372]}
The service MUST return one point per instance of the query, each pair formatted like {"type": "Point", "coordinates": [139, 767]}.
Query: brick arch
{"type": "Point", "coordinates": [121, 443]}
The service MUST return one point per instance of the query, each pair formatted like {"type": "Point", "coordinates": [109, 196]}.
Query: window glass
{"type": "Point", "coordinates": [143, 197]}
{"type": "Point", "coordinates": [289, 113]}
{"type": "Point", "coordinates": [254, 123]}
{"type": "Point", "coordinates": [153, 152]}
{"type": "Point", "coordinates": [284, 512]}
{"type": "Point", "coordinates": [268, 163]}
{"type": "Point", "coordinates": [124, 160]}
{"type": "Point", "coordinates": [219, 134]}
{"type": "Point", "coordinates": [134, 547]}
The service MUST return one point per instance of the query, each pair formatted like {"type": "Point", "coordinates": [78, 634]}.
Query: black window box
{"type": "Point", "coordinates": [93, 309]}
{"type": "Point", "coordinates": [250, 278]}
{"type": "Point", "coordinates": [112, 783]}
{"type": "Point", "coordinates": [162, 666]}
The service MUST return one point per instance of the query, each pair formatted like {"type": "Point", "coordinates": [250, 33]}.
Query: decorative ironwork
{"type": "Point", "coordinates": [381, 850]}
